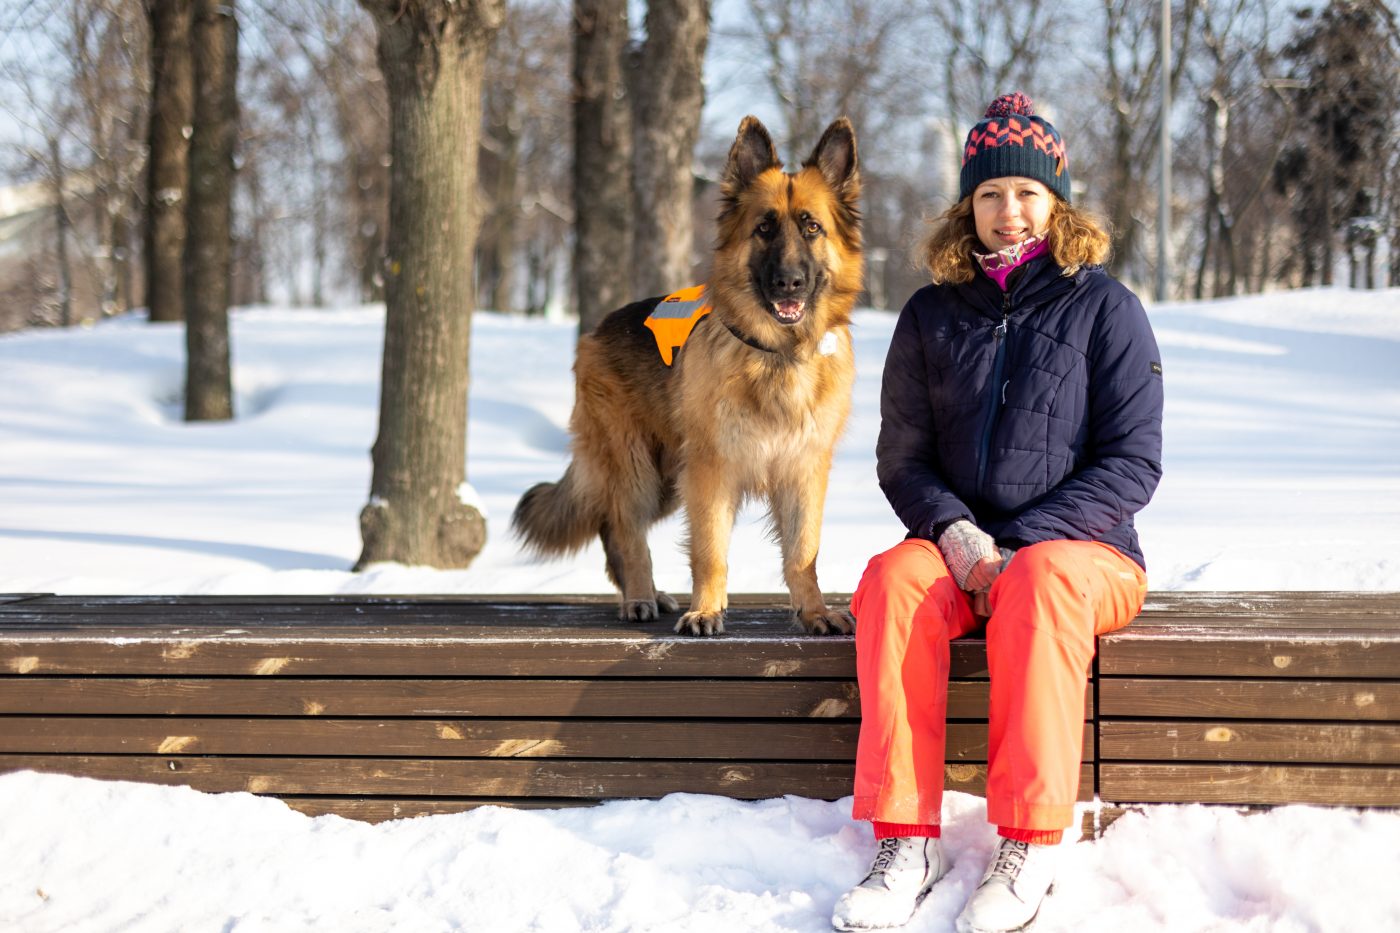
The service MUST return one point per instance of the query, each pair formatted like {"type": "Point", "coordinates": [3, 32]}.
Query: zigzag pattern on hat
{"type": "Point", "coordinates": [1014, 132]}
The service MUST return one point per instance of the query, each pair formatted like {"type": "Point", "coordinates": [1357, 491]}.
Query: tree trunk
{"type": "Point", "coordinates": [368, 199]}
{"type": "Point", "coordinates": [432, 56]}
{"type": "Point", "coordinates": [167, 179]}
{"type": "Point", "coordinates": [507, 211]}
{"type": "Point", "coordinates": [497, 249]}
{"type": "Point", "coordinates": [121, 259]}
{"type": "Point", "coordinates": [667, 94]}
{"type": "Point", "coordinates": [1226, 258]}
{"type": "Point", "coordinates": [208, 264]}
{"type": "Point", "coordinates": [602, 156]}
{"type": "Point", "coordinates": [1123, 196]}
{"type": "Point", "coordinates": [61, 228]}
{"type": "Point", "coordinates": [250, 259]}
{"type": "Point", "coordinates": [366, 178]}
{"type": "Point", "coordinates": [1395, 240]}
{"type": "Point", "coordinates": [319, 235]}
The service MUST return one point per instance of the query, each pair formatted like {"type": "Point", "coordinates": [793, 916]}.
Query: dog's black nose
{"type": "Point", "coordinates": [786, 281]}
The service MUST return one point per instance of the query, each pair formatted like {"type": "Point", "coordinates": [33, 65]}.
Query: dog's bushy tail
{"type": "Point", "coordinates": [553, 519]}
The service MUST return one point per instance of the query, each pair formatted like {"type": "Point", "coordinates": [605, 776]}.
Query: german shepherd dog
{"type": "Point", "coordinates": [752, 406]}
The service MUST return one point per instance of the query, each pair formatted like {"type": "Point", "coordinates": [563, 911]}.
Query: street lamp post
{"type": "Point", "coordinates": [1164, 172]}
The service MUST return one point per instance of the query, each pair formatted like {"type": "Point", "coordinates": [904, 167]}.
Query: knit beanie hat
{"type": "Point", "coordinates": [1012, 140]}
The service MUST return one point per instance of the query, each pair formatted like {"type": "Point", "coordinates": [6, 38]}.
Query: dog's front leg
{"type": "Point", "coordinates": [711, 496]}
{"type": "Point", "coordinates": [797, 502]}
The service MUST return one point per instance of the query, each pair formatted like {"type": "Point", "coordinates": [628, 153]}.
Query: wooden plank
{"type": "Point", "coordinates": [459, 652]}
{"type": "Point", "coordinates": [427, 738]}
{"type": "Point", "coordinates": [457, 603]}
{"type": "Point", "coordinates": [1288, 603]}
{"type": "Point", "coordinates": [391, 653]}
{"type": "Point", "coordinates": [773, 741]}
{"type": "Point", "coordinates": [1272, 785]}
{"type": "Point", "coordinates": [7, 598]}
{"type": "Point", "coordinates": [1181, 650]}
{"type": "Point", "coordinates": [1218, 740]}
{"type": "Point", "coordinates": [507, 697]}
{"type": "Point", "coordinates": [499, 777]}
{"type": "Point", "coordinates": [588, 617]}
{"type": "Point", "coordinates": [509, 777]}
{"type": "Point", "coordinates": [421, 636]}
{"type": "Point", "coordinates": [1360, 701]}
{"type": "Point", "coordinates": [382, 809]}
{"type": "Point", "coordinates": [1249, 604]}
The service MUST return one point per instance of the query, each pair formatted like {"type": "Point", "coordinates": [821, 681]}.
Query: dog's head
{"type": "Point", "coordinates": [790, 242]}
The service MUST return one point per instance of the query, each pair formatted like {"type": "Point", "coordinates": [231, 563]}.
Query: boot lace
{"type": "Point", "coordinates": [894, 854]}
{"type": "Point", "coordinates": [886, 858]}
{"type": "Point", "coordinates": [1010, 859]}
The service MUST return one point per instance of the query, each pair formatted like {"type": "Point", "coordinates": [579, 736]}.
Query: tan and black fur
{"type": "Point", "coordinates": [729, 420]}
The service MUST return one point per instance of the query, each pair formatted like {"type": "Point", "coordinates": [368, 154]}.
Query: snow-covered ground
{"type": "Point", "coordinates": [1282, 472]}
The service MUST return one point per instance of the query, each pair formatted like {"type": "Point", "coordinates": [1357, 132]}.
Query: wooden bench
{"type": "Point", "coordinates": [381, 707]}
{"type": "Point", "coordinates": [1253, 699]}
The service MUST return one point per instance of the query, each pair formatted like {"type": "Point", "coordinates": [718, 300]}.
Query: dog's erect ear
{"type": "Point", "coordinates": [835, 157]}
{"type": "Point", "coordinates": [751, 155]}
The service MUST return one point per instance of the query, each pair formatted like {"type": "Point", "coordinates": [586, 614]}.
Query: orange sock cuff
{"type": "Point", "coordinates": [890, 830]}
{"type": "Point", "coordinates": [1039, 837]}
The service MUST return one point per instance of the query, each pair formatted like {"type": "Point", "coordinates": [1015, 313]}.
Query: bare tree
{"type": "Point", "coordinates": [359, 117]}
{"type": "Point", "coordinates": [988, 49]}
{"type": "Point", "coordinates": [1345, 62]}
{"type": "Point", "coordinates": [62, 235]}
{"type": "Point", "coordinates": [1133, 114]}
{"type": "Point", "coordinates": [602, 162]}
{"type": "Point", "coordinates": [849, 58]}
{"type": "Point", "coordinates": [1236, 97]}
{"type": "Point", "coordinates": [78, 96]}
{"type": "Point", "coordinates": [838, 58]}
{"type": "Point", "coordinates": [668, 93]}
{"type": "Point", "coordinates": [319, 152]}
{"type": "Point", "coordinates": [527, 111]}
{"type": "Point", "coordinates": [209, 223]}
{"type": "Point", "coordinates": [432, 55]}
{"type": "Point", "coordinates": [167, 172]}
{"type": "Point", "coordinates": [105, 43]}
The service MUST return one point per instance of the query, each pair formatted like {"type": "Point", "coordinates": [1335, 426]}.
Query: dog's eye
{"type": "Point", "coordinates": [812, 228]}
{"type": "Point", "coordinates": [765, 228]}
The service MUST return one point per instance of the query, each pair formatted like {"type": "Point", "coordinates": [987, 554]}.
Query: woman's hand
{"type": "Point", "coordinates": [984, 574]}
{"type": "Point", "coordinates": [966, 549]}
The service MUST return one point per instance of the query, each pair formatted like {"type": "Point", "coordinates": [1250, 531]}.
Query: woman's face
{"type": "Point", "coordinates": [1007, 210]}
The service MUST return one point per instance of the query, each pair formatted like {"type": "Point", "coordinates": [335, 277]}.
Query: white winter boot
{"type": "Point", "coordinates": [899, 880]}
{"type": "Point", "coordinates": [1015, 884]}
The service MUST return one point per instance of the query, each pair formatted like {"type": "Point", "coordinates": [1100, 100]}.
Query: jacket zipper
{"type": "Point", "coordinates": [998, 392]}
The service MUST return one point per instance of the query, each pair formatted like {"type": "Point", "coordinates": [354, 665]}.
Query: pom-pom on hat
{"type": "Point", "coordinates": [1011, 140]}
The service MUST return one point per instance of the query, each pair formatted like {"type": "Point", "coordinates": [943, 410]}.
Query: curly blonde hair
{"type": "Point", "coordinates": [1076, 239]}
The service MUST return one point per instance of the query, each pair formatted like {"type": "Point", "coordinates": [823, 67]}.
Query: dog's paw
{"type": "Point", "coordinates": [638, 610]}
{"type": "Point", "coordinates": [827, 621]}
{"type": "Point", "coordinates": [666, 602]}
{"type": "Point", "coordinates": [701, 623]}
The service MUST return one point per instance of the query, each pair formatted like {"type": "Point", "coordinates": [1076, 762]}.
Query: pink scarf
{"type": "Point", "coordinates": [998, 265]}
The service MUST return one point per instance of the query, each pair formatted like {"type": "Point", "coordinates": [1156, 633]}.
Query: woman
{"type": "Point", "coordinates": [1020, 431]}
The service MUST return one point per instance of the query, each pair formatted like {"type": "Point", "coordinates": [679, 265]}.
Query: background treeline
{"type": "Point", "coordinates": [1286, 155]}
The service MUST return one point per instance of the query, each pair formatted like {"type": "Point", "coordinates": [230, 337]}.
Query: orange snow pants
{"type": "Point", "coordinates": [1046, 608]}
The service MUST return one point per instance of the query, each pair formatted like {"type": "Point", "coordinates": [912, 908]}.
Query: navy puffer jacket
{"type": "Point", "coordinates": [1037, 413]}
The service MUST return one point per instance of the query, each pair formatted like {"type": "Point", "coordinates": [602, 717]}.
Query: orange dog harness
{"type": "Point", "coordinates": [674, 319]}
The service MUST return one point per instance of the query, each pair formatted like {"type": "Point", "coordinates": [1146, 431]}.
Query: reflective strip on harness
{"type": "Point", "coordinates": [675, 317]}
